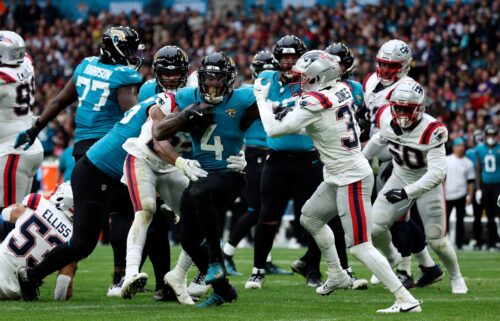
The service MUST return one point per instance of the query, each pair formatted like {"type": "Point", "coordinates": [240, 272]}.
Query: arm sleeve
{"type": "Point", "coordinates": [374, 146]}
{"type": "Point", "coordinates": [471, 173]}
{"type": "Point", "coordinates": [293, 122]}
{"type": "Point", "coordinates": [436, 171]}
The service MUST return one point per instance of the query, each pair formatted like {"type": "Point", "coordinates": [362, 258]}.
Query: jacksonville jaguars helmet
{"type": "Point", "coordinates": [263, 60]}
{"type": "Point", "coordinates": [344, 53]}
{"type": "Point", "coordinates": [170, 67]}
{"type": "Point", "coordinates": [490, 135]}
{"type": "Point", "coordinates": [122, 45]}
{"type": "Point", "coordinates": [216, 77]}
{"type": "Point", "coordinates": [291, 46]}
{"type": "Point", "coordinates": [393, 61]}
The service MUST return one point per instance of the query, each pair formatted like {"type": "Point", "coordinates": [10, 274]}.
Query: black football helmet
{"type": "Point", "coordinates": [170, 67]}
{"type": "Point", "coordinates": [263, 60]}
{"type": "Point", "coordinates": [289, 45]}
{"type": "Point", "coordinates": [344, 53]}
{"type": "Point", "coordinates": [216, 77]}
{"type": "Point", "coordinates": [122, 45]}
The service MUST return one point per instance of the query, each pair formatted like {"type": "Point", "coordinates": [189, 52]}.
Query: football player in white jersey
{"type": "Point", "coordinates": [41, 224]}
{"type": "Point", "coordinates": [325, 109]}
{"type": "Point", "coordinates": [416, 141]}
{"type": "Point", "coordinates": [17, 95]}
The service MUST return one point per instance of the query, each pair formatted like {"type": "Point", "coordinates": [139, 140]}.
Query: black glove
{"type": "Point", "coordinates": [280, 112]}
{"type": "Point", "coordinates": [197, 117]}
{"type": "Point", "coordinates": [364, 123]}
{"type": "Point", "coordinates": [27, 137]}
{"type": "Point", "coordinates": [396, 195]}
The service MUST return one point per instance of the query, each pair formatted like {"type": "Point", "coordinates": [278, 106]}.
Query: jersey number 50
{"type": "Point", "coordinates": [406, 156]}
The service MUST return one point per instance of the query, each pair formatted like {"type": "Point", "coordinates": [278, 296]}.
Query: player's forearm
{"type": "Point", "coordinates": [273, 127]}
{"type": "Point", "coordinates": [165, 151]}
{"type": "Point", "coordinates": [436, 172]}
{"type": "Point", "coordinates": [374, 146]}
{"type": "Point", "coordinates": [168, 126]}
{"type": "Point", "coordinates": [66, 97]}
{"type": "Point", "coordinates": [12, 213]}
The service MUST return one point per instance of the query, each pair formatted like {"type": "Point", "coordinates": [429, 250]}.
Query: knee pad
{"type": "Point", "coordinates": [312, 225]}
{"type": "Point", "coordinates": [434, 232]}
{"type": "Point", "coordinates": [148, 205]}
{"type": "Point", "coordinates": [377, 230]}
{"type": "Point", "coordinates": [144, 217]}
{"type": "Point", "coordinates": [358, 250]}
{"type": "Point", "coordinates": [438, 244]}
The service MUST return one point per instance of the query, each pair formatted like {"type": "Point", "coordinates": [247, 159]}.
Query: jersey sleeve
{"type": "Point", "coordinates": [144, 91]}
{"type": "Point", "coordinates": [32, 201]}
{"type": "Point", "coordinates": [382, 112]}
{"type": "Point", "coordinates": [185, 97]}
{"type": "Point", "coordinates": [471, 172]}
{"type": "Point", "coordinates": [357, 94]}
{"type": "Point", "coordinates": [166, 103]}
{"type": "Point", "coordinates": [434, 135]}
{"type": "Point", "coordinates": [374, 146]}
{"type": "Point", "coordinates": [314, 102]}
{"type": "Point", "coordinates": [126, 76]}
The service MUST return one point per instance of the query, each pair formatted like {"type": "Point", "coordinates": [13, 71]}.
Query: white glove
{"type": "Point", "coordinates": [260, 90]}
{"type": "Point", "coordinates": [191, 168]}
{"type": "Point", "coordinates": [479, 196]}
{"type": "Point", "coordinates": [237, 163]}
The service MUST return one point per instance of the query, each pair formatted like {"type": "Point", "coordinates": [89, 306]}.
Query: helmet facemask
{"type": "Point", "coordinates": [406, 114]}
{"type": "Point", "coordinates": [287, 62]}
{"type": "Point", "coordinates": [215, 85]}
{"type": "Point", "coordinates": [62, 199]}
{"type": "Point", "coordinates": [170, 79]}
{"type": "Point", "coordinates": [389, 72]}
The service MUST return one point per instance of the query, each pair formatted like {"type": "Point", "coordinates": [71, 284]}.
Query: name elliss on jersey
{"type": "Point", "coordinates": [59, 226]}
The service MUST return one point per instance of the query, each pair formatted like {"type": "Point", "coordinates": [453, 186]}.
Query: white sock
{"type": "Point", "coordinates": [269, 258]}
{"type": "Point", "coordinates": [405, 265]}
{"type": "Point", "coordinates": [256, 270]}
{"type": "Point", "coordinates": [135, 242]}
{"type": "Point", "coordinates": [183, 265]}
{"type": "Point", "coordinates": [402, 294]}
{"type": "Point", "coordinates": [229, 249]}
{"type": "Point", "coordinates": [377, 264]}
{"type": "Point", "coordinates": [447, 255]}
{"type": "Point", "coordinates": [424, 258]}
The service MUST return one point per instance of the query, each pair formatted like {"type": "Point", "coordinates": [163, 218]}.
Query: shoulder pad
{"type": "Point", "coordinates": [315, 101]}
{"type": "Point", "coordinates": [166, 102]}
{"type": "Point", "coordinates": [5, 78]}
{"type": "Point", "coordinates": [365, 81]}
{"type": "Point", "coordinates": [435, 134]}
{"type": "Point", "coordinates": [128, 76]}
{"type": "Point", "coordinates": [32, 201]}
{"type": "Point", "coordinates": [246, 94]}
{"type": "Point", "coordinates": [185, 97]}
{"type": "Point", "coordinates": [268, 74]}
{"type": "Point", "coordinates": [380, 114]}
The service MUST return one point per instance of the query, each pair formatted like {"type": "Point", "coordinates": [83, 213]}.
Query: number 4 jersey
{"type": "Point", "coordinates": [17, 95]}
{"type": "Point", "coordinates": [419, 155]}
{"type": "Point", "coordinates": [40, 229]}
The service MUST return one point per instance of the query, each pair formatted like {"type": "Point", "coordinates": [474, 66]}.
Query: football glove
{"type": "Point", "coordinates": [27, 137]}
{"type": "Point", "coordinates": [479, 196]}
{"type": "Point", "coordinates": [396, 195]}
{"type": "Point", "coordinates": [197, 116]}
{"type": "Point", "coordinates": [191, 168]}
{"type": "Point", "coordinates": [237, 163]}
{"type": "Point", "coordinates": [280, 112]}
{"type": "Point", "coordinates": [261, 90]}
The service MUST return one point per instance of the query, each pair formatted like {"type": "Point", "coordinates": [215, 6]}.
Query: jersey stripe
{"type": "Point", "coordinates": [325, 102]}
{"type": "Point", "coordinates": [9, 180]}
{"type": "Point", "coordinates": [426, 136]}
{"type": "Point", "coordinates": [378, 115]}
{"type": "Point", "coordinates": [34, 200]}
{"type": "Point", "coordinates": [357, 212]}
{"type": "Point", "coordinates": [132, 183]}
{"type": "Point", "coordinates": [173, 104]}
{"type": "Point", "coordinates": [7, 78]}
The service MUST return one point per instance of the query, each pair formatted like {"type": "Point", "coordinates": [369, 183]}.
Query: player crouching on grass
{"type": "Point", "coordinates": [25, 245]}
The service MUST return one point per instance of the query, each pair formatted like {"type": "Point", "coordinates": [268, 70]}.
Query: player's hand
{"type": "Point", "coordinates": [479, 196]}
{"type": "Point", "coordinates": [172, 217]}
{"type": "Point", "coordinates": [198, 114]}
{"type": "Point", "coordinates": [261, 90]}
{"type": "Point", "coordinates": [396, 195]}
{"type": "Point", "coordinates": [237, 163]}
{"type": "Point", "coordinates": [26, 138]}
{"type": "Point", "coordinates": [191, 168]}
{"type": "Point", "coordinates": [280, 112]}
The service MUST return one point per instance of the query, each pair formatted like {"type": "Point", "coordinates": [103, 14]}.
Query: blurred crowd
{"type": "Point", "coordinates": [455, 48]}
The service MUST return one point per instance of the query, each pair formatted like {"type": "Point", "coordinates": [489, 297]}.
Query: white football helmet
{"type": "Point", "coordinates": [407, 103]}
{"type": "Point", "coordinates": [12, 48]}
{"type": "Point", "coordinates": [62, 198]}
{"type": "Point", "coordinates": [393, 61]}
{"type": "Point", "coordinates": [316, 69]}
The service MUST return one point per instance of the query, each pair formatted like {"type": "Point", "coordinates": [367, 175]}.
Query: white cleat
{"type": "Point", "coordinates": [179, 286]}
{"type": "Point", "coordinates": [133, 284]}
{"type": "Point", "coordinates": [374, 280]}
{"type": "Point", "coordinates": [115, 290]}
{"type": "Point", "coordinates": [256, 279]}
{"type": "Point", "coordinates": [403, 307]}
{"type": "Point", "coordinates": [198, 288]}
{"type": "Point", "coordinates": [359, 284]}
{"type": "Point", "coordinates": [458, 285]}
{"type": "Point", "coordinates": [330, 285]}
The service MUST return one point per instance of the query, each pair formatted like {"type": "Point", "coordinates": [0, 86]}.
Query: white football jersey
{"type": "Point", "coordinates": [418, 155]}
{"type": "Point", "coordinates": [39, 230]}
{"type": "Point", "coordinates": [138, 146]}
{"type": "Point", "coordinates": [328, 118]}
{"type": "Point", "coordinates": [376, 95]}
{"type": "Point", "coordinates": [17, 95]}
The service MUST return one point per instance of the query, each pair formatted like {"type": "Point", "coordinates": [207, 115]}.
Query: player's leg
{"type": "Point", "coordinates": [491, 192]}
{"type": "Point", "coordinates": [9, 287]}
{"type": "Point", "coordinates": [478, 224]}
{"type": "Point", "coordinates": [459, 231]}
{"type": "Point", "coordinates": [354, 208]}
{"type": "Point", "coordinates": [431, 207]}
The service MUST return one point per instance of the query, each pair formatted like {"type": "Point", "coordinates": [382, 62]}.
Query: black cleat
{"type": "Point", "coordinates": [406, 279]}
{"type": "Point", "coordinates": [165, 294]}
{"type": "Point", "coordinates": [273, 269]}
{"type": "Point", "coordinates": [29, 288]}
{"type": "Point", "coordinates": [300, 267]}
{"type": "Point", "coordinates": [314, 279]}
{"type": "Point", "coordinates": [429, 275]}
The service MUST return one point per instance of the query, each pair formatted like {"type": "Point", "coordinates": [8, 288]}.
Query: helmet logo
{"type": "Point", "coordinates": [404, 49]}
{"type": "Point", "coordinates": [5, 39]}
{"type": "Point", "coordinates": [231, 112]}
{"type": "Point", "coordinates": [117, 35]}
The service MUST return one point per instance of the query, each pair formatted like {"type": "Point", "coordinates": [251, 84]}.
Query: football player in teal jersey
{"type": "Point", "coordinates": [105, 87]}
{"type": "Point", "coordinates": [478, 208]}
{"type": "Point", "coordinates": [488, 179]}
{"type": "Point", "coordinates": [232, 112]}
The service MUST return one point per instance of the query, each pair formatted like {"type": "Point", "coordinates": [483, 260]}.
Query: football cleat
{"type": "Point", "coordinates": [179, 286]}
{"type": "Point", "coordinates": [403, 307]}
{"type": "Point", "coordinates": [357, 284]}
{"type": "Point", "coordinates": [273, 269]}
{"type": "Point", "coordinates": [133, 285]}
{"type": "Point", "coordinates": [218, 299]}
{"type": "Point", "coordinates": [458, 285]}
{"type": "Point", "coordinates": [374, 280]}
{"type": "Point", "coordinates": [115, 290]}
{"type": "Point", "coordinates": [230, 265]}
{"type": "Point", "coordinates": [300, 267]}
{"type": "Point", "coordinates": [216, 272]}
{"type": "Point", "coordinates": [429, 275]}
{"type": "Point", "coordinates": [165, 294]}
{"type": "Point", "coordinates": [406, 280]}
{"type": "Point", "coordinates": [29, 289]}
{"type": "Point", "coordinates": [198, 287]}
{"type": "Point", "coordinates": [331, 284]}
{"type": "Point", "coordinates": [313, 279]}
{"type": "Point", "coordinates": [256, 280]}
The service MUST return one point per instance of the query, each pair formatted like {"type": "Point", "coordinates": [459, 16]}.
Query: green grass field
{"type": "Point", "coordinates": [283, 298]}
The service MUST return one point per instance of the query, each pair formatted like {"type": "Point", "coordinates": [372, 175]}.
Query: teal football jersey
{"type": "Point", "coordinates": [490, 162]}
{"type": "Point", "coordinates": [223, 138]}
{"type": "Point", "coordinates": [357, 93]}
{"type": "Point", "coordinates": [148, 90]}
{"type": "Point", "coordinates": [255, 135]}
{"type": "Point", "coordinates": [107, 154]}
{"type": "Point", "coordinates": [281, 95]}
{"type": "Point", "coordinates": [96, 84]}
